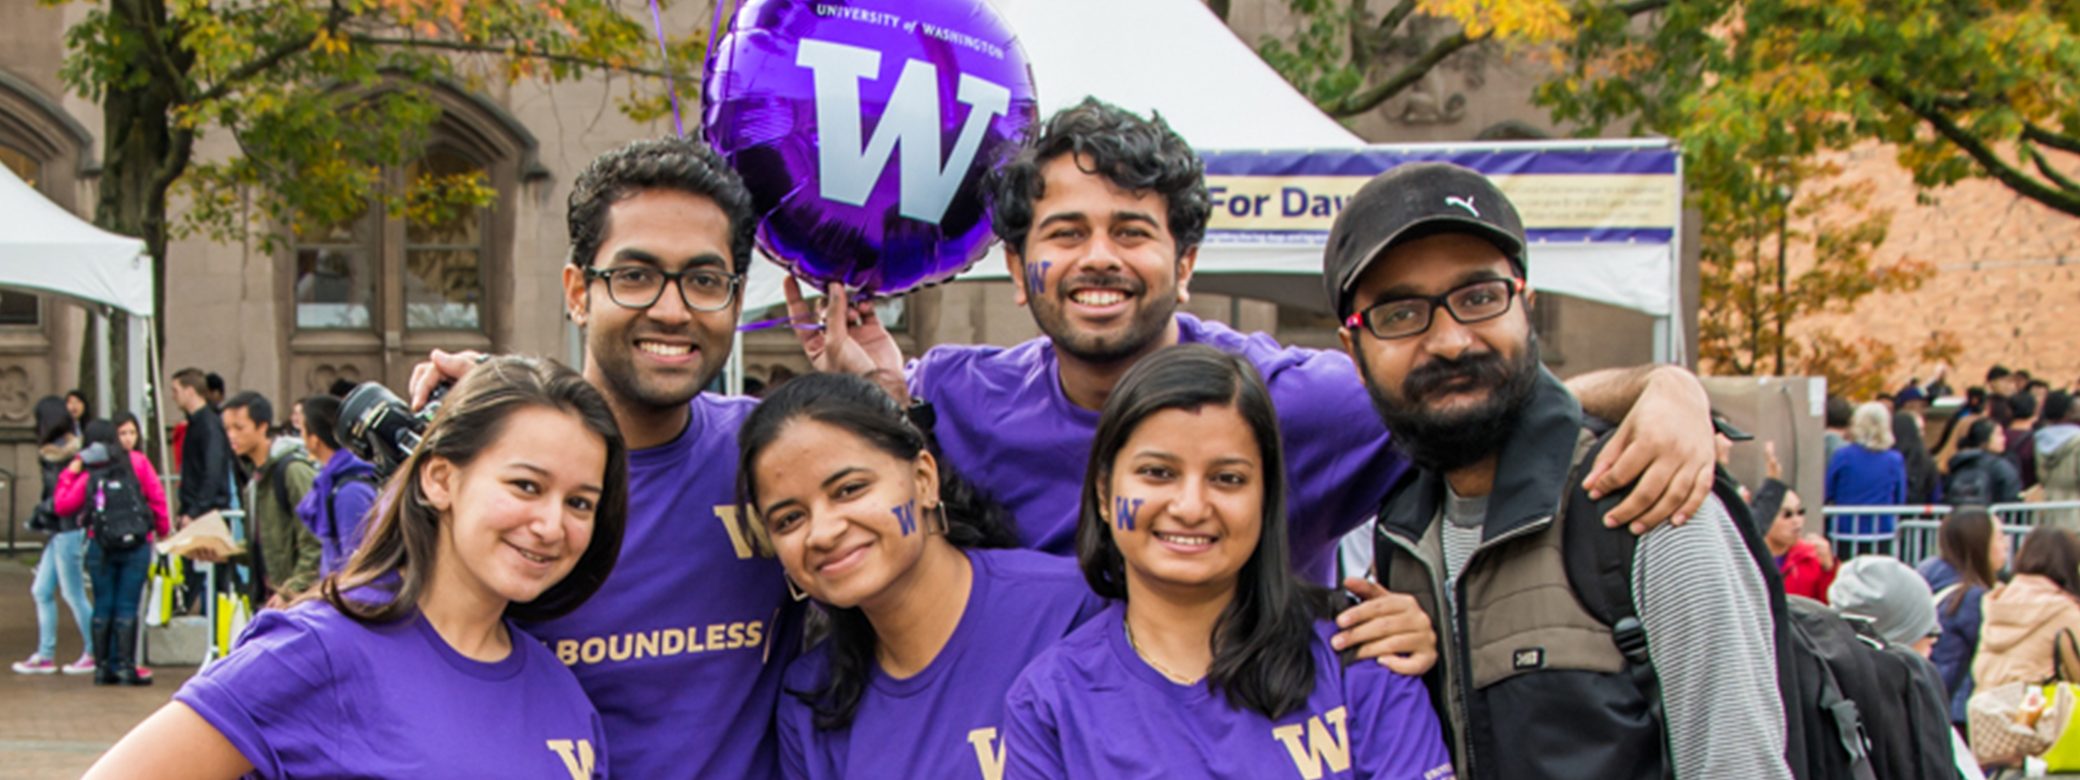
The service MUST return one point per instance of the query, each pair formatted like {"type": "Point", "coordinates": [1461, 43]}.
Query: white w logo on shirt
{"type": "Point", "coordinates": [991, 759]}
{"type": "Point", "coordinates": [848, 171]}
{"type": "Point", "coordinates": [577, 756]}
{"type": "Point", "coordinates": [1320, 745]}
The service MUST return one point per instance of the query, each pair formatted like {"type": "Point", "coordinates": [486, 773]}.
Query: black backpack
{"type": "Point", "coordinates": [1970, 486]}
{"type": "Point", "coordinates": [117, 514]}
{"type": "Point", "coordinates": [1854, 709]}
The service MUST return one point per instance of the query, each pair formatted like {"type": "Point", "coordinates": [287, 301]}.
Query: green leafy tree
{"type": "Point", "coordinates": [320, 97]}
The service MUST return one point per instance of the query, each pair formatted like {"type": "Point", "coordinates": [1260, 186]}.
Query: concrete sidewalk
{"type": "Point", "coordinates": [54, 726]}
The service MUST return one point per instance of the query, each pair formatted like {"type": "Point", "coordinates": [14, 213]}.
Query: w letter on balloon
{"type": "Point", "coordinates": [850, 169]}
{"type": "Point", "coordinates": [577, 756]}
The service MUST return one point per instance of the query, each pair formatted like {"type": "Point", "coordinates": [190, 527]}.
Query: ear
{"type": "Point", "coordinates": [1015, 263]}
{"type": "Point", "coordinates": [438, 479]}
{"type": "Point", "coordinates": [927, 476]}
{"type": "Point", "coordinates": [577, 303]}
{"type": "Point", "coordinates": [1185, 263]}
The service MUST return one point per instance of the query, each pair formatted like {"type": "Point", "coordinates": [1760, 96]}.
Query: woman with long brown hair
{"type": "Point", "coordinates": [409, 665]}
{"type": "Point", "coordinates": [1972, 546]}
{"type": "Point", "coordinates": [2024, 619]}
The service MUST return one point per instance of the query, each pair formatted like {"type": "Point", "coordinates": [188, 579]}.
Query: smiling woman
{"type": "Point", "coordinates": [406, 666]}
{"type": "Point", "coordinates": [1217, 661]}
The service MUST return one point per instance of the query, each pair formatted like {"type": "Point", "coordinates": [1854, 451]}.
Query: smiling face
{"type": "Point", "coordinates": [1451, 393]}
{"type": "Point", "coordinates": [846, 518]}
{"type": "Point", "coordinates": [515, 520]}
{"type": "Point", "coordinates": [1185, 500]}
{"type": "Point", "coordinates": [661, 356]}
{"type": "Point", "coordinates": [1100, 269]}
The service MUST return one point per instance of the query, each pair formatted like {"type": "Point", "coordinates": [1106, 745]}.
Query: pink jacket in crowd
{"type": "Point", "coordinates": [72, 491]}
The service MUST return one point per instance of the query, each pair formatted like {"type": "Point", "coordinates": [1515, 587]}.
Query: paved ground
{"type": "Point", "coordinates": [53, 726]}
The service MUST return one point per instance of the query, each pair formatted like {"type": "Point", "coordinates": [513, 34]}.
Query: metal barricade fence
{"type": "Point", "coordinates": [1915, 527]}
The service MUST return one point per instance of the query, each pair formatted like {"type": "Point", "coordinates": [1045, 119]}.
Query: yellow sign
{"type": "Point", "coordinates": [1544, 201]}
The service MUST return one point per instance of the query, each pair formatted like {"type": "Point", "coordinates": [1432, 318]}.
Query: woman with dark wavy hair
{"type": "Point", "coordinates": [409, 664]}
{"type": "Point", "coordinates": [1215, 660]}
{"type": "Point", "coordinates": [929, 614]}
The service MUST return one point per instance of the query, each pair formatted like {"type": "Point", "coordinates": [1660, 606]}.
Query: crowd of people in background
{"type": "Point", "coordinates": [299, 498]}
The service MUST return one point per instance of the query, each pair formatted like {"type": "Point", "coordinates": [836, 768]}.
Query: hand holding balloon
{"type": "Point", "coordinates": [851, 339]}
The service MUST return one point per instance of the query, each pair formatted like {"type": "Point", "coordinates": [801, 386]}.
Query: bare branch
{"type": "Point", "coordinates": [2022, 183]}
{"type": "Point", "coordinates": [486, 48]}
{"type": "Point", "coordinates": [1351, 105]}
{"type": "Point", "coordinates": [2044, 166]}
{"type": "Point", "coordinates": [1392, 21]}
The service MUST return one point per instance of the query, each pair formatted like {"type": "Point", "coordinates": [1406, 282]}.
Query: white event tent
{"type": "Point", "coordinates": [46, 249]}
{"type": "Point", "coordinates": [1176, 58]}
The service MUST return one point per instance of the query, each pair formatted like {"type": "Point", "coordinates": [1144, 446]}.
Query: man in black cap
{"type": "Point", "coordinates": [1568, 650]}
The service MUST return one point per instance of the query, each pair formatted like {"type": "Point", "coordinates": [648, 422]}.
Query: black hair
{"type": "Point", "coordinates": [1262, 658]}
{"type": "Point", "coordinates": [2023, 405]}
{"type": "Point", "coordinates": [256, 405]}
{"type": "Point", "coordinates": [2058, 406]}
{"type": "Point", "coordinates": [1997, 372]}
{"type": "Point", "coordinates": [1137, 155]}
{"type": "Point", "coordinates": [402, 545]}
{"type": "Point", "coordinates": [968, 517]}
{"type": "Point", "coordinates": [686, 165]}
{"type": "Point", "coordinates": [214, 382]}
{"type": "Point", "coordinates": [53, 423]}
{"type": "Point", "coordinates": [86, 409]}
{"type": "Point", "coordinates": [1839, 411]}
{"type": "Point", "coordinates": [321, 419]}
{"type": "Point", "coordinates": [2036, 383]}
{"type": "Point", "coordinates": [1980, 432]}
{"type": "Point", "coordinates": [103, 432]}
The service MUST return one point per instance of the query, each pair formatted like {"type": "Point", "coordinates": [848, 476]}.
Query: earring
{"type": "Point", "coordinates": [792, 591]}
{"type": "Point", "coordinates": [939, 511]}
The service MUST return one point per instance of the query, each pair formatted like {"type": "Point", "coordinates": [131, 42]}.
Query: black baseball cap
{"type": "Point", "coordinates": [1413, 201]}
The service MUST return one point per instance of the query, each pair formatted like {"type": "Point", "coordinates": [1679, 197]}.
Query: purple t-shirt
{"type": "Point", "coordinates": [1005, 424]}
{"type": "Point", "coordinates": [679, 648]}
{"type": "Point", "coordinates": [1090, 707]}
{"type": "Point", "coordinates": [946, 721]}
{"type": "Point", "coordinates": [309, 693]}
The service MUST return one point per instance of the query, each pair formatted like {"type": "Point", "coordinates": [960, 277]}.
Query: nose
{"type": "Point", "coordinates": [547, 521]}
{"type": "Point", "coordinates": [825, 529]}
{"type": "Point", "coordinates": [1447, 338]}
{"type": "Point", "coordinates": [1101, 255]}
{"type": "Point", "coordinates": [1189, 504]}
{"type": "Point", "coordinates": [671, 304]}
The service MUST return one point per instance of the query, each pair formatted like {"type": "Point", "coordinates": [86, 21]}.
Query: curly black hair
{"type": "Point", "coordinates": [1138, 155]}
{"type": "Point", "coordinates": [684, 164]}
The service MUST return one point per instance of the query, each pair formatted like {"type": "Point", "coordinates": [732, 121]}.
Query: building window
{"type": "Point", "coordinates": [335, 275]}
{"type": "Point", "coordinates": [444, 260]}
{"type": "Point", "coordinates": [20, 308]}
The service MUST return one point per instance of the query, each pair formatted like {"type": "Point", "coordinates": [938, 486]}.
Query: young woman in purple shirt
{"type": "Point", "coordinates": [1215, 660]}
{"type": "Point", "coordinates": [407, 664]}
{"type": "Point", "coordinates": [931, 613]}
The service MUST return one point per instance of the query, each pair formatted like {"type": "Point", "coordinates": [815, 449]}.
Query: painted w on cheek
{"type": "Point", "coordinates": [1036, 277]}
{"type": "Point", "coordinates": [906, 517]}
{"type": "Point", "coordinates": [1123, 511]}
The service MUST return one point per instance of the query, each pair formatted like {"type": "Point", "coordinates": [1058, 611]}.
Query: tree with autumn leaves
{"type": "Point", "coordinates": [1756, 92]}
{"type": "Point", "coordinates": [320, 98]}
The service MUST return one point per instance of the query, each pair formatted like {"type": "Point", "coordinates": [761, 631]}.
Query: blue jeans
{"type": "Point", "coordinates": [118, 580]}
{"type": "Point", "coordinates": [61, 570]}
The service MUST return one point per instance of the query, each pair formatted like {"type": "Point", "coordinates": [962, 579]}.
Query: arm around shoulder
{"type": "Point", "coordinates": [71, 494]}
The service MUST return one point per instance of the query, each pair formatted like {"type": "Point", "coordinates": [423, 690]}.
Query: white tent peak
{"type": "Point", "coordinates": [44, 247]}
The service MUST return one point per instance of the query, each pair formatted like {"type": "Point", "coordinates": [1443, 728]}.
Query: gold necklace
{"type": "Point", "coordinates": [1172, 676]}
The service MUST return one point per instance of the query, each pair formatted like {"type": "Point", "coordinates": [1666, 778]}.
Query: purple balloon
{"type": "Point", "coordinates": [863, 129]}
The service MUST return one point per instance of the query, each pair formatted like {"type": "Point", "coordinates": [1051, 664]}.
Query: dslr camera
{"type": "Point", "coordinates": [381, 428]}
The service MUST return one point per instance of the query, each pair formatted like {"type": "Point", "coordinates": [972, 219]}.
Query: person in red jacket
{"type": "Point", "coordinates": [1808, 568]}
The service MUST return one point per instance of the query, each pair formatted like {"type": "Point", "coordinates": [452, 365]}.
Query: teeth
{"type": "Point", "coordinates": [668, 350]}
{"type": "Point", "coordinates": [1195, 541]}
{"type": "Point", "coordinates": [1099, 297]}
{"type": "Point", "coordinates": [533, 557]}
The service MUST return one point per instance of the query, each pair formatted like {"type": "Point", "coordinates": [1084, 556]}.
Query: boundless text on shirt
{"type": "Point", "coordinates": [682, 648]}
{"type": "Point", "coordinates": [945, 722]}
{"type": "Point", "coordinates": [309, 693]}
{"type": "Point", "coordinates": [1090, 707]}
{"type": "Point", "coordinates": [1003, 421]}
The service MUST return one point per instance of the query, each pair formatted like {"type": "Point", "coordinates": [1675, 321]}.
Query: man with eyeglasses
{"type": "Point", "coordinates": [1569, 650]}
{"type": "Point", "coordinates": [683, 647]}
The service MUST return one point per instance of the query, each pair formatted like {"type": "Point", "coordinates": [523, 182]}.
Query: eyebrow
{"type": "Point", "coordinates": [704, 259]}
{"type": "Point", "coordinates": [1123, 215]}
{"type": "Point", "coordinates": [827, 483]}
{"type": "Point", "coordinates": [545, 473]}
{"type": "Point", "coordinates": [1403, 291]}
{"type": "Point", "coordinates": [1162, 455]}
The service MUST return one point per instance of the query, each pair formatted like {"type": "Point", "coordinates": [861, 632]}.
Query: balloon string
{"type": "Point", "coordinates": [713, 25]}
{"type": "Point", "coordinates": [657, 23]}
{"type": "Point", "coordinates": [795, 323]}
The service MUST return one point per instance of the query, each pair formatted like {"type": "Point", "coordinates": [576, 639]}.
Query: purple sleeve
{"type": "Point", "coordinates": [795, 727]}
{"type": "Point", "coordinates": [1393, 729]}
{"type": "Point", "coordinates": [1032, 744]}
{"type": "Point", "coordinates": [273, 697]}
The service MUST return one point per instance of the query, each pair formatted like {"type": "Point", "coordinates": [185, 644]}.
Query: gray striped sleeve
{"type": "Point", "coordinates": [1706, 612]}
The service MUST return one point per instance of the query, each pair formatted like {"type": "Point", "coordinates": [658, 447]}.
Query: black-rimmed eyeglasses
{"type": "Point", "coordinates": [639, 286]}
{"type": "Point", "coordinates": [1401, 318]}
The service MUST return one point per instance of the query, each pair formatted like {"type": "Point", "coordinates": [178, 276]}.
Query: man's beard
{"type": "Point", "coordinates": [1447, 441]}
{"type": "Point", "coordinates": [1144, 328]}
